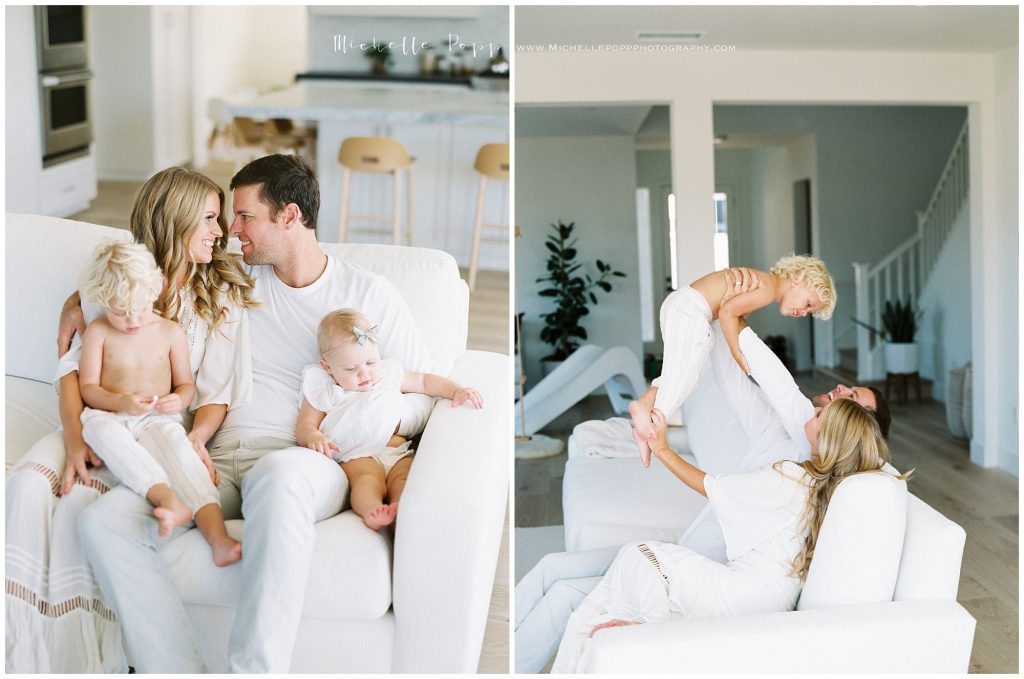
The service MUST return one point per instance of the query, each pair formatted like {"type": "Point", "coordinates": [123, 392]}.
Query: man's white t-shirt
{"type": "Point", "coordinates": [283, 339]}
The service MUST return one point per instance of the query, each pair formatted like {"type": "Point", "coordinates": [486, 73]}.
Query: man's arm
{"type": "Point", "coordinates": [777, 385]}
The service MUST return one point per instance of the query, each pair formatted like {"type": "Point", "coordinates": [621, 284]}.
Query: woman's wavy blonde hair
{"type": "Point", "coordinates": [811, 272]}
{"type": "Point", "coordinates": [849, 442]}
{"type": "Point", "coordinates": [165, 215]}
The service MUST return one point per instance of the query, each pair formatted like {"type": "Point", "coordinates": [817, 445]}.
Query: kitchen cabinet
{"type": "Point", "coordinates": [441, 126]}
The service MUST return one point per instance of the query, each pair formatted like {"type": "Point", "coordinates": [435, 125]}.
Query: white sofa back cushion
{"type": "Point", "coordinates": [45, 258]}
{"type": "Point", "coordinates": [857, 556]}
{"type": "Point", "coordinates": [932, 553]}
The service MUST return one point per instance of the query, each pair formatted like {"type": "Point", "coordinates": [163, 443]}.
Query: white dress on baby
{"type": "Point", "coordinates": [360, 422]}
{"type": "Point", "coordinates": [762, 517]}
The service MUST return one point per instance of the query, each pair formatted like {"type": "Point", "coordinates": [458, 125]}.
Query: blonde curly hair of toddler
{"type": "Point", "coordinates": [123, 276]}
{"type": "Point", "coordinates": [338, 325]}
{"type": "Point", "coordinates": [811, 272]}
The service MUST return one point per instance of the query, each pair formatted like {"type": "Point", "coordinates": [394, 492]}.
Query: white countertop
{"type": "Point", "coordinates": [383, 102]}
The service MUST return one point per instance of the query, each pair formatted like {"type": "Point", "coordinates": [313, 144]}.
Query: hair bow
{"type": "Point", "coordinates": [362, 335]}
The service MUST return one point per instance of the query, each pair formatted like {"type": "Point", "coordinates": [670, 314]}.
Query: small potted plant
{"type": "Point", "coordinates": [899, 327]}
{"type": "Point", "coordinates": [572, 292]}
{"type": "Point", "coordinates": [380, 58]}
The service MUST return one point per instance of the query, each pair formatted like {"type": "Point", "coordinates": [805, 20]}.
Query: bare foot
{"type": "Point", "coordinates": [613, 623]}
{"type": "Point", "coordinates": [226, 551]}
{"type": "Point", "coordinates": [643, 430]}
{"type": "Point", "coordinates": [172, 514]}
{"type": "Point", "coordinates": [381, 516]}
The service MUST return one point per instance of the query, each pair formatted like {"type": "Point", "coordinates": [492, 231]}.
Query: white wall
{"type": "Point", "coordinates": [590, 181]}
{"type": "Point", "coordinates": [1008, 278]}
{"type": "Point", "coordinates": [122, 99]}
{"type": "Point", "coordinates": [654, 172]}
{"type": "Point", "coordinates": [692, 83]}
{"type": "Point", "coordinates": [23, 151]}
{"type": "Point", "coordinates": [944, 337]}
{"type": "Point", "coordinates": [256, 47]}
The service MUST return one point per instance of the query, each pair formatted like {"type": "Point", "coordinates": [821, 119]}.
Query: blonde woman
{"type": "Point", "coordinates": [56, 620]}
{"type": "Point", "coordinates": [770, 518]}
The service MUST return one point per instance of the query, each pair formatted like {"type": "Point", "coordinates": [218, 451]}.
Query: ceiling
{"type": "Point", "coordinates": [579, 121]}
{"type": "Point", "coordinates": [857, 28]}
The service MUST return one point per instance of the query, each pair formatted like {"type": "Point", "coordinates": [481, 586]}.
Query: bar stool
{"type": "Point", "coordinates": [492, 164]}
{"type": "Point", "coordinates": [377, 155]}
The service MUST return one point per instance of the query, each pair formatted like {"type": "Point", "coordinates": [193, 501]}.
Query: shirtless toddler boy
{"type": "Point", "coordinates": [135, 379]}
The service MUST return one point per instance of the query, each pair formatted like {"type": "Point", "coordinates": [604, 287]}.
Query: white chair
{"type": "Point", "coordinates": [376, 155]}
{"type": "Point", "coordinates": [492, 162]}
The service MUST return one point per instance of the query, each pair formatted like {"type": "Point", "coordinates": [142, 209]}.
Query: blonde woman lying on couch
{"type": "Point", "coordinates": [771, 519]}
{"type": "Point", "coordinates": [57, 620]}
{"type": "Point", "coordinates": [771, 420]}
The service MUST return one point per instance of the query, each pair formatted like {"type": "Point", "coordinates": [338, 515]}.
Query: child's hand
{"type": "Point", "coordinates": [169, 404]}
{"type": "Point", "coordinates": [464, 394]}
{"type": "Point", "coordinates": [323, 445]}
{"type": "Point", "coordinates": [137, 405]}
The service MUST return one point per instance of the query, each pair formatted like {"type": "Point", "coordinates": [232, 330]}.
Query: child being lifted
{"type": "Point", "coordinates": [800, 285]}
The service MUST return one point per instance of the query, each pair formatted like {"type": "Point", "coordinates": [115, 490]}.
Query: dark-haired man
{"type": "Point", "coordinates": [281, 489]}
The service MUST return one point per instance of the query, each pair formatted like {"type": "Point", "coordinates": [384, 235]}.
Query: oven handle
{"type": "Point", "coordinates": [54, 80]}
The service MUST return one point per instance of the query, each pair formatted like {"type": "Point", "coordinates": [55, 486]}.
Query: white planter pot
{"type": "Point", "coordinates": [900, 359]}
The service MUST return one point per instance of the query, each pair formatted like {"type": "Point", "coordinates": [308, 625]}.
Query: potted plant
{"type": "Point", "coordinates": [572, 292]}
{"type": "Point", "coordinates": [899, 326]}
{"type": "Point", "coordinates": [380, 57]}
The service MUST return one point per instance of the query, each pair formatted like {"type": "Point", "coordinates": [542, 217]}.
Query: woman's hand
{"type": "Point", "coordinates": [72, 320]}
{"type": "Point", "coordinates": [76, 465]}
{"type": "Point", "coordinates": [467, 395]}
{"type": "Point", "coordinates": [199, 445]}
{"type": "Point", "coordinates": [660, 439]}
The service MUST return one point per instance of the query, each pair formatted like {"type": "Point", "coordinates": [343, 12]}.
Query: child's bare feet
{"type": "Point", "coordinates": [172, 513]}
{"type": "Point", "coordinates": [226, 551]}
{"type": "Point", "coordinates": [381, 516]}
{"type": "Point", "coordinates": [643, 429]}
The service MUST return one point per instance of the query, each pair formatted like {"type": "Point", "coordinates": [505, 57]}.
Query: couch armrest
{"type": "Point", "coordinates": [924, 635]}
{"type": "Point", "coordinates": [450, 524]}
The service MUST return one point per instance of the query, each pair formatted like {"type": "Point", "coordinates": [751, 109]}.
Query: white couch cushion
{"type": "Point", "coordinates": [350, 576]}
{"type": "Point", "coordinates": [613, 501]}
{"type": "Point", "coordinates": [932, 552]}
{"type": "Point", "coordinates": [857, 556]}
{"type": "Point", "coordinates": [31, 413]}
{"type": "Point", "coordinates": [46, 256]}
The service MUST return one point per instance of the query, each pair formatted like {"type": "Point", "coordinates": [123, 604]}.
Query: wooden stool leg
{"type": "Point", "coordinates": [396, 238]}
{"type": "Point", "coordinates": [478, 221]}
{"type": "Point", "coordinates": [903, 388]}
{"type": "Point", "coordinates": [408, 206]}
{"type": "Point", "coordinates": [346, 198]}
{"type": "Point", "coordinates": [917, 386]}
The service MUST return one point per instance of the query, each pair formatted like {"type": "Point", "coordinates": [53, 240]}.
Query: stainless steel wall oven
{"type": "Point", "coordinates": [65, 81]}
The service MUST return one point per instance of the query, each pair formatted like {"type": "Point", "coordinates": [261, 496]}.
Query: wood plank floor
{"type": "Point", "coordinates": [983, 501]}
{"type": "Point", "coordinates": [488, 331]}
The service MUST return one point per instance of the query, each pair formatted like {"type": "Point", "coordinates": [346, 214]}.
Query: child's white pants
{"type": "Point", "coordinates": [114, 437]}
{"type": "Point", "coordinates": [686, 332]}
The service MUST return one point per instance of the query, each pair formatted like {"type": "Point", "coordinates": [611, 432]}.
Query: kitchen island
{"type": "Point", "coordinates": [441, 126]}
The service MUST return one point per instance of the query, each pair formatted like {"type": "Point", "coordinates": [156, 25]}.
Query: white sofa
{"type": "Point", "coordinates": [882, 598]}
{"type": "Point", "coordinates": [422, 608]}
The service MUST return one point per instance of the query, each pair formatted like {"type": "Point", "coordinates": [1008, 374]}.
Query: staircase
{"type": "Point", "coordinates": [906, 270]}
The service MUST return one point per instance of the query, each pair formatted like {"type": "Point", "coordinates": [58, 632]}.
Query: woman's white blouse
{"type": "Point", "coordinates": [221, 363]}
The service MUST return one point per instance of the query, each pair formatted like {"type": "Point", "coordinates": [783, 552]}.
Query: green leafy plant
{"type": "Point", "coordinates": [572, 292]}
{"type": "Point", "coordinates": [380, 55]}
{"type": "Point", "coordinates": [899, 322]}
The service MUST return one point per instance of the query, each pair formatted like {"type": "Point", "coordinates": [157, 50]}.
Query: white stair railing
{"type": "Point", "coordinates": [906, 269]}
